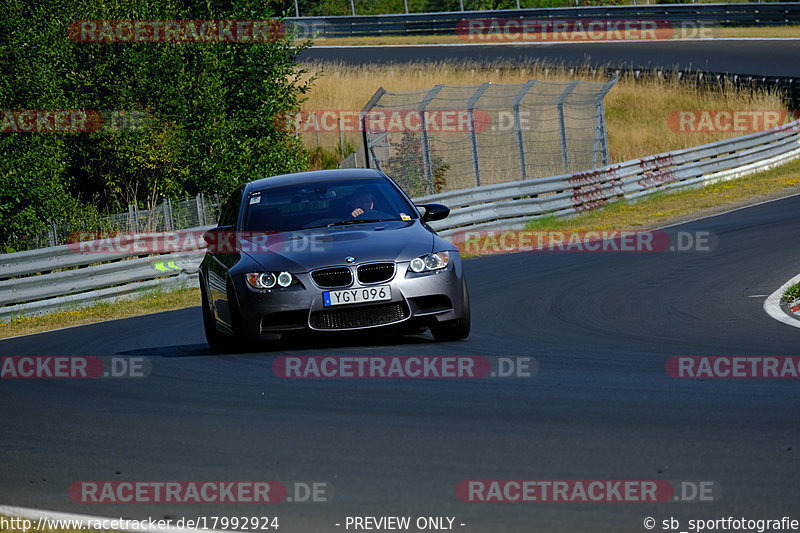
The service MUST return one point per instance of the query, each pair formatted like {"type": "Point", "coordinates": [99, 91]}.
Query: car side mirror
{"type": "Point", "coordinates": [434, 212]}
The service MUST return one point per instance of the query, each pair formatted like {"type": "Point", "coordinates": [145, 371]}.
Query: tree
{"type": "Point", "coordinates": [209, 108]}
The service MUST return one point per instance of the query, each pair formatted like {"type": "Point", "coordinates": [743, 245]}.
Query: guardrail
{"type": "Point", "coordinates": [511, 205]}
{"type": "Point", "coordinates": [49, 279]}
{"type": "Point", "coordinates": [70, 276]}
{"type": "Point", "coordinates": [446, 23]}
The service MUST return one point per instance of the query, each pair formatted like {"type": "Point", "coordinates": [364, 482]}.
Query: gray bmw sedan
{"type": "Point", "coordinates": [329, 251]}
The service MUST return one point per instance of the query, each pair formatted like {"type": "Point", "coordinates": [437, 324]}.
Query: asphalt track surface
{"type": "Point", "coordinates": [762, 57]}
{"type": "Point", "coordinates": [601, 326]}
{"type": "Point", "coordinates": [602, 406]}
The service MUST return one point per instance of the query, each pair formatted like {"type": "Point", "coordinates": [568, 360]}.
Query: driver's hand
{"type": "Point", "coordinates": [357, 212]}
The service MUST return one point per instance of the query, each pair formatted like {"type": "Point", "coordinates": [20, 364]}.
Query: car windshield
{"type": "Point", "coordinates": [325, 204]}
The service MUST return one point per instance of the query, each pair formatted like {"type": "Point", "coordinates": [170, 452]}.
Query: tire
{"type": "Point", "coordinates": [239, 342]}
{"type": "Point", "coordinates": [458, 329]}
{"type": "Point", "coordinates": [214, 338]}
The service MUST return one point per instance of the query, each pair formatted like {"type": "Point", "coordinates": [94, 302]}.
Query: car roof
{"type": "Point", "coordinates": [314, 176]}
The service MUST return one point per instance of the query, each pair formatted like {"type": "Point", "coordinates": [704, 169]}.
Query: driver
{"type": "Point", "coordinates": [361, 201]}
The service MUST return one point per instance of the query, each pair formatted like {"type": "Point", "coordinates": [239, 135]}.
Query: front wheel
{"type": "Point", "coordinates": [215, 339]}
{"type": "Point", "coordinates": [239, 341]}
{"type": "Point", "coordinates": [458, 329]}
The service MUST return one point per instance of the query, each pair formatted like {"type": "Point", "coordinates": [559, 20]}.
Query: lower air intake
{"type": "Point", "coordinates": [362, 317]}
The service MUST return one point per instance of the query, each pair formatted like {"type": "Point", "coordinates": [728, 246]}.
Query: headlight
{"type": "Point", "coordinates": [284, 279]}
{"type": "Point", "coordinates": [418, 264]}
{"type": "Point", "coordinates": [434, 261]}
{"type": "Point", "coordinates": [267, 280]}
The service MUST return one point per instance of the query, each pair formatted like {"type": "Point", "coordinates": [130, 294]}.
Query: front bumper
{"type": "Point", "coordinates": [418, 301]}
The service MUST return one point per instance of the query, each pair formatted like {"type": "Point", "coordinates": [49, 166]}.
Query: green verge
{"type": "Point", "coordinates": [664, 207]}
{"type": "Point", "coordinates": [147, 303]}
{"type": "Point", "coordinates": [792, 293]}
{"type": "Point", "coordinates": [658, 210]}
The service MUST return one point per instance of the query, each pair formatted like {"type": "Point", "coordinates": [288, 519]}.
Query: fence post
{"type": "Point", "coordinates": [426, 148]}
{"type": "Point", "coordinates": [341, 139]}
{"type": "Point", "coordinates": [52, 237]}
{"type": "Point", "coordinates": [562, 128]}
{"type": "Point", "coordinates": [316, 126]}
{"type": "Point", "coordinates": [201, 211]}
{"type": "Point", "coordinates": [473, 141]}
{"type": "Point", "coordinates": [600, 136]}
{"type": "Point", "coordinates": [362, 117]}
{"type": "Point", "coordinates": [133, 218]}
{"type": "Point", "coordinates": [523, 166]}
{"type": "Point", "coordinates": [169, 223]}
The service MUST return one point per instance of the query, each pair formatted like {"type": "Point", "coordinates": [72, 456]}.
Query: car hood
{"type": "Point", "coordinates": [300, 251]}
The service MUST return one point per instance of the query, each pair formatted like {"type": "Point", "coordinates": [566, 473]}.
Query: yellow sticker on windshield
{"type": "Point", "coordinates": [403, 216]}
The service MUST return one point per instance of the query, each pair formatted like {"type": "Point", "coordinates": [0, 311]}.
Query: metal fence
{"type": "Point", "coordinates": [449, 138]}
{"type": "Point", "coordinates": [166, 216]}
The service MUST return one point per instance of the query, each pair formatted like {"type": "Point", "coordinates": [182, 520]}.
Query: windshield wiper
{"type": "Point", "coordinates": [354, 221]}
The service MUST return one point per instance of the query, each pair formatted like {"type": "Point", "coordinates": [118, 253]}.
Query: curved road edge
{"type": "Point", "coordinates": [772, 305]}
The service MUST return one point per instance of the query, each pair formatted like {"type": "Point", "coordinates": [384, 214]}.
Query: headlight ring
{"type": "Point", "coordinates": [430, 262]}
{"type": "Point", "coordinates": [268, 280]}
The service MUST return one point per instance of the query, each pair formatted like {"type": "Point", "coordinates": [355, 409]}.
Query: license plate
{"type": "Point", "coordinates": [355, 296]}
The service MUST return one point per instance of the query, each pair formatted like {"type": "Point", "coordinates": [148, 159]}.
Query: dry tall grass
{"type": "Point", "coordinates": [636, 112]}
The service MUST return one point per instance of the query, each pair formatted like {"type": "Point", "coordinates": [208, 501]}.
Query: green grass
{"type": "Point", "coordinates": [663, 207]}
{"type": "Point", "coordinates": [152, 301]}
{"type": "Point", "coordinates": [792, 293]}
{"type": "Point", "coordinates": [320, 157]}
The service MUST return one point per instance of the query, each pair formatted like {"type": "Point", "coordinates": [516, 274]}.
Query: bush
{"type": "Point", "coordinates": [792, 293]}
{"type": "Point", "coordinates": [210, 109]}
{"type": "Point", "coordinates": [407, 168]}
